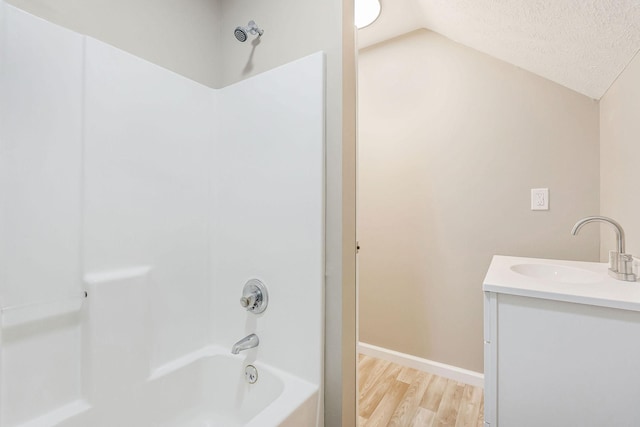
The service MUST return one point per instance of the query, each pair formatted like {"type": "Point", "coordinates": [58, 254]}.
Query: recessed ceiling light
{"type": "Point", "coordinates": [366, 11]}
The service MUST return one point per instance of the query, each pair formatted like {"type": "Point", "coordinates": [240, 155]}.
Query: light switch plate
{"type": "Point", "coordinates": [539, 199]}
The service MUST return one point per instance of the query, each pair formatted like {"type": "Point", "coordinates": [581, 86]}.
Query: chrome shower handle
{"type": "Point", "coordinates": [254, 296]}
{"type": "Point", "coordinates": [247, 301]}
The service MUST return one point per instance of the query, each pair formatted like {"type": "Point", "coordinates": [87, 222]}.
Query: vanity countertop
{"type": "Point", "coordinates": [560, 280]}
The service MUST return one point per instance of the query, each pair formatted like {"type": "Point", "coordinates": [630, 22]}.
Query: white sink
{"type": "Point", "coordinates": [557, 273]}
{"type": "Point", "coordinates": [561, 280]}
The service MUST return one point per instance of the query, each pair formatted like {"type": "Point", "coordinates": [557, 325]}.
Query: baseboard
{"type": "Point", "coordinates": [452, 372]}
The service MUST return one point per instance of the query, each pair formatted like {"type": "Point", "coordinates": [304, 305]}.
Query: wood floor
{"type": "Point", "coordinates": [394, 395]}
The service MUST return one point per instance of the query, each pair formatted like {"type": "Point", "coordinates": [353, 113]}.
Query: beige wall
{"type": "Point", "coordinates": [182, 36]}
{"type": "Point", "coordinates": [620, 158]}
{"type": "Point", "coordinates": [195, 38]}
{"type": "Point", "coordinates": [348, 321]}
{"type": "Point", "coordinates": [451, 141]}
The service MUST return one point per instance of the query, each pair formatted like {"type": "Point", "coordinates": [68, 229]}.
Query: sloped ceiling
{"type": "Point", "coordinates": [581, 44]}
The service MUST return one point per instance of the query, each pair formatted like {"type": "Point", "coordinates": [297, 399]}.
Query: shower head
{"type": "Point", "coordinates": [242, 33]}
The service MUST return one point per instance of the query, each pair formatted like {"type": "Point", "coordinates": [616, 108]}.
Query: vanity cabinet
{"type": "Point", "coordinates": [559, 353]}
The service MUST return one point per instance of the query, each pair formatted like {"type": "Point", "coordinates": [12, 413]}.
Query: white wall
{"type": "Point", "coordinates": [40, 196]}
{"type": "Point", "coordinates": [293, 29]}
{"type": "Point", "coordinates": [182, 36]}
{"type": "Point", "coordinates": [269, 219]}
{"type": "Point", "coordinates": [619, 154]}
{"type": "Point", "coordinates": [91, 147]}
{"type": "Point", "coordinates": [166, 180]}
{"type": "Point", "coordinates": [451, 142]}
{"type": "Point", "coordinates": [40, 162]}
{"type": "Point", "coordinates": [148, 141]}
{"type": "Point", "coordinates": [200, 45]}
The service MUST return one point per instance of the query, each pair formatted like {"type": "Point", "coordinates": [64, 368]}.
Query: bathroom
{"type": "Point", "coordinates": [464, 109]}
{"type": "Point", "coordinates": [146, 185]}
{"type": "Point", "coordinates": [192, 46]}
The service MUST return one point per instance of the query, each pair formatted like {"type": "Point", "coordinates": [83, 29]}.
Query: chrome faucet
{"type": "Point", "coordinates": [620, 263]}
{"type": "Point", "coordinates": [250, 341]}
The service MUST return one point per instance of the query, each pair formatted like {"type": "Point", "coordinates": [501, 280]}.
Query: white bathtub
{"type": "Point", "coordinates": [204, 389]}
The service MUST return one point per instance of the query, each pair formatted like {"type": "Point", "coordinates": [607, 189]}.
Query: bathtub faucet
{"type": "Point", "coordinates": [250, 341]}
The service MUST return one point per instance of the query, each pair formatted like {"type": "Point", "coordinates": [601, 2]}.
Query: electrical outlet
{"type": "Point", "coordinates": [539, 199]}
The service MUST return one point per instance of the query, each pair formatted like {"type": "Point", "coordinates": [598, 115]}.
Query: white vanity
{"type": "Point", "coordinates": [562, 345]}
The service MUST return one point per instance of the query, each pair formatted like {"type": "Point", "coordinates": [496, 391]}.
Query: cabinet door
{"type": "Point", "coordinates": [563, 364]}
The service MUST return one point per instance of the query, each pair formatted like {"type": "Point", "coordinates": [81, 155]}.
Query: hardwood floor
{"type": "Point", "coordinates": [394, 395]}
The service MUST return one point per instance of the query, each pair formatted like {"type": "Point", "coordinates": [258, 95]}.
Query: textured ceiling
{"type": "Point", "coordinates": [580, 44]}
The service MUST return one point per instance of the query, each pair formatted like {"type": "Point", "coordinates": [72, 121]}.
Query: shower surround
{"type": "Point", "coordinates": [134, 205]}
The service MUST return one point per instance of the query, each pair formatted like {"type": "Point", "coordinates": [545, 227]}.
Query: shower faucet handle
{"type": "Point", "coordinates": [247, 301]}
{"type": "Point", "coordinates": [254, 296]}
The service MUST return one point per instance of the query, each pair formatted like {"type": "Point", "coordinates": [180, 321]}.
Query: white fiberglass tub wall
{"type": "Point", "coordinates": [269, 215]}
{"type": "Point", "coordinates": [40, 220]}
{"type": "Point", "coordinates": [160, 197]}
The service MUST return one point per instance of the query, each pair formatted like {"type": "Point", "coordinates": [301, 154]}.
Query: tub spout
{"type": "Point", "coordinates": [250, 341]}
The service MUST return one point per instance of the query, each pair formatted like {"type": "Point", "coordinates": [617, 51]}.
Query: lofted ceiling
{"type": "Point", "coordinates": [581, 44]}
